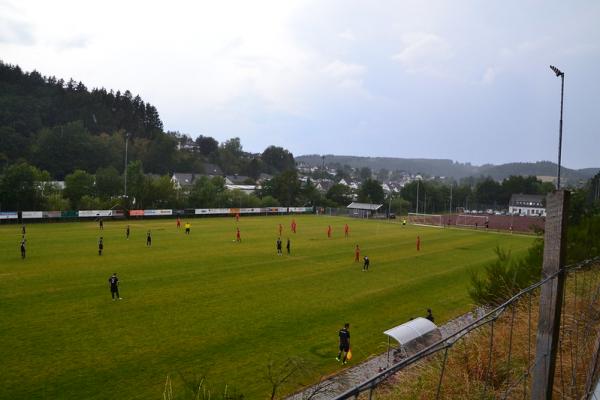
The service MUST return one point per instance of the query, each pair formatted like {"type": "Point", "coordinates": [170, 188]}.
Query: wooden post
{"type": "Point", "coordinates": [593, 367]}
{"type": "Point", "coordinates": [551, 295]}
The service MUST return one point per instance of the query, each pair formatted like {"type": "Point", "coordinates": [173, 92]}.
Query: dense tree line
{"type": "Point", "coordinates": [450, 168]}
{"type": "Point", "coordinates": [30, 102]}
{"type": "Point", "coordinates": [60, 126]}
{"type": "Point", "coordinates": [51, 129]}
{"type": "Point", "coordinates": [470, 193]}
{"type": "Point", "coordinates": [507, 275]}
{"type": "Point", "coordinates": [26, 187]}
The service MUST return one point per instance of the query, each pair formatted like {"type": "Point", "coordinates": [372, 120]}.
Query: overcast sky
{"type": "Point", "coordinates": [464, 80]}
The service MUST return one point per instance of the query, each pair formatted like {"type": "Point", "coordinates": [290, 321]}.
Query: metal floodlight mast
{"type": "Point", "coordinates": [125, 172]}
{"type": "Point", "coordinates": [417, 211]}
{"type": "Point", "coordinates": [560, 74]}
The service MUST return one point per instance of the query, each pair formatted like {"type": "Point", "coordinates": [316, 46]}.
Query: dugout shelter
{"type": "Point", "coordinates": [412, 336]}
{"type": "Point", "coordinates": [363, 210]}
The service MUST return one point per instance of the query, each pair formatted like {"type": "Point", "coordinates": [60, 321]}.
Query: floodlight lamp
{"type": "Point", "coordinates": [557, 71]}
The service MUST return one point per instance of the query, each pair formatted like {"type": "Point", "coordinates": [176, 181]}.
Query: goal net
{"type": "Point", "coordinates": [471, 220]}
{"type": "Point", "coordinates": [425, 219]}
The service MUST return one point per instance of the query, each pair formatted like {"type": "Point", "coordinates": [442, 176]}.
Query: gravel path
{"type": "Point", "coordinates": [351, 377]}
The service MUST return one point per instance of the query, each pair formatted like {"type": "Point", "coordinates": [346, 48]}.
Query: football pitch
{"type": "Point", "coordinates": [203, 305]}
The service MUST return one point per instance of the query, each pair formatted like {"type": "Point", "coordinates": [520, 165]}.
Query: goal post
{"type": "Point", "coordinates": [425, 219]}
{"type": "Point", "coordinates": [471, 220]}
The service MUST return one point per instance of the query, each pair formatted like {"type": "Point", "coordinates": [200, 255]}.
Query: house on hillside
{"type": "Point", "coordinates": [191, 146]}
{"type": "Point", "coordinates": [546, 178]}
{"type": "Point", "coordinates": [323, 185]}
{"type": "Point", "coordinates": [363, 210]}
{"type": "Point", "coordinates": [211, 170]}
{"type": "Point", "coordinates": [248, 189]}
{"type": "Point", "coordinates": [264, 177]}
{"type": "Point", "coordinates": [183, 179]}
{"type": "Point", "coordinates": [237, 180]}
{"type": "Point", "coordinates": [527, 204]}
{"type": "Point", "coordinates": [50, 185]}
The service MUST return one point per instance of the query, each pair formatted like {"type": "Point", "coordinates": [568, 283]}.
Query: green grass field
{"type": "Point", "coordinates": [205, 305]}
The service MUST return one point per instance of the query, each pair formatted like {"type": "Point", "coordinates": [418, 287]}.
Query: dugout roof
{"type": "Point", "coordinates": [411, 330]}
{"type": "Point", "coordinates": [364, 206]}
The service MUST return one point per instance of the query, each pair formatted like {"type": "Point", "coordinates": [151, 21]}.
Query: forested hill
{"type": "Point", "coordinates": [60, 126]}
{"type": "Point", "coordinates": [30, 102]}
{"type": "Point", "coordinates": [441, 167]}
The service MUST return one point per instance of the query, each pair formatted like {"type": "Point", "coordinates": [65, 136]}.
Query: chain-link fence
{"type": "Point", "coordinates": [494, 356]}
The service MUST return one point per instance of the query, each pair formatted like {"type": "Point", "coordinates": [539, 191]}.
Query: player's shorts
{"type": "Point", "coordinates": [114, 289]}
{"type": "Point", "coordinates": [344, 347]}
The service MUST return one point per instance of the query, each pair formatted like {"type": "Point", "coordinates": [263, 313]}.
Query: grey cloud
{"type": "Point", "coordinates": [15, 32]}
{"type": "Point", "coordinates": [75, 42]}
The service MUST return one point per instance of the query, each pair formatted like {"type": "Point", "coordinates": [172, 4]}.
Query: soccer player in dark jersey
{"type": "Point", "coordinates": [279, 247]}
{"type": "Point", "coordinates": [288, 245]}
{"type": "Point", "coordinates": [366, 263]}
{"type": "Point", "coordinates": [127, 232]}
{"type": "Point", "coordinates": [429, 315]}
{"type": "Point", "coordinates": [344, 347]}
{"type": "Point", "coordinates": [23, 240]}
{"type": "Point", "coordinates": [100, 245]}
{"type": "Point", "coordinates": [149, 238]}
{"type": "Point", "coordinates": [23, 229]}
{"type": "Point", "coordinates": [113, 282]}
{"type": "Point", "coordinates": [101, 223]}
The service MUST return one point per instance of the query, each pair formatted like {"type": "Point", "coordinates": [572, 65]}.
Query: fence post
{"type": "Point", "coordinates": [551, 295]}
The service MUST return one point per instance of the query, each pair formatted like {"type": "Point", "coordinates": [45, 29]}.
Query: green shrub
{"type": "Point", "coordinates": [506, 276]}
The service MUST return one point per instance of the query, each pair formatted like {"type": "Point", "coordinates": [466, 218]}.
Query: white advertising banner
{"type": "Point", "coordinates": [33, 214]}
{"type": "Point", "coordinates": [157, 213]}
{"type": "Point", "coordinates": [250, 210]}
{"type": "Point", "coordinates": [94, 213]}
{"type": "Point", "coordinates": [211, 211]}
{"type": "Point", "coordinates": [9, 215]}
